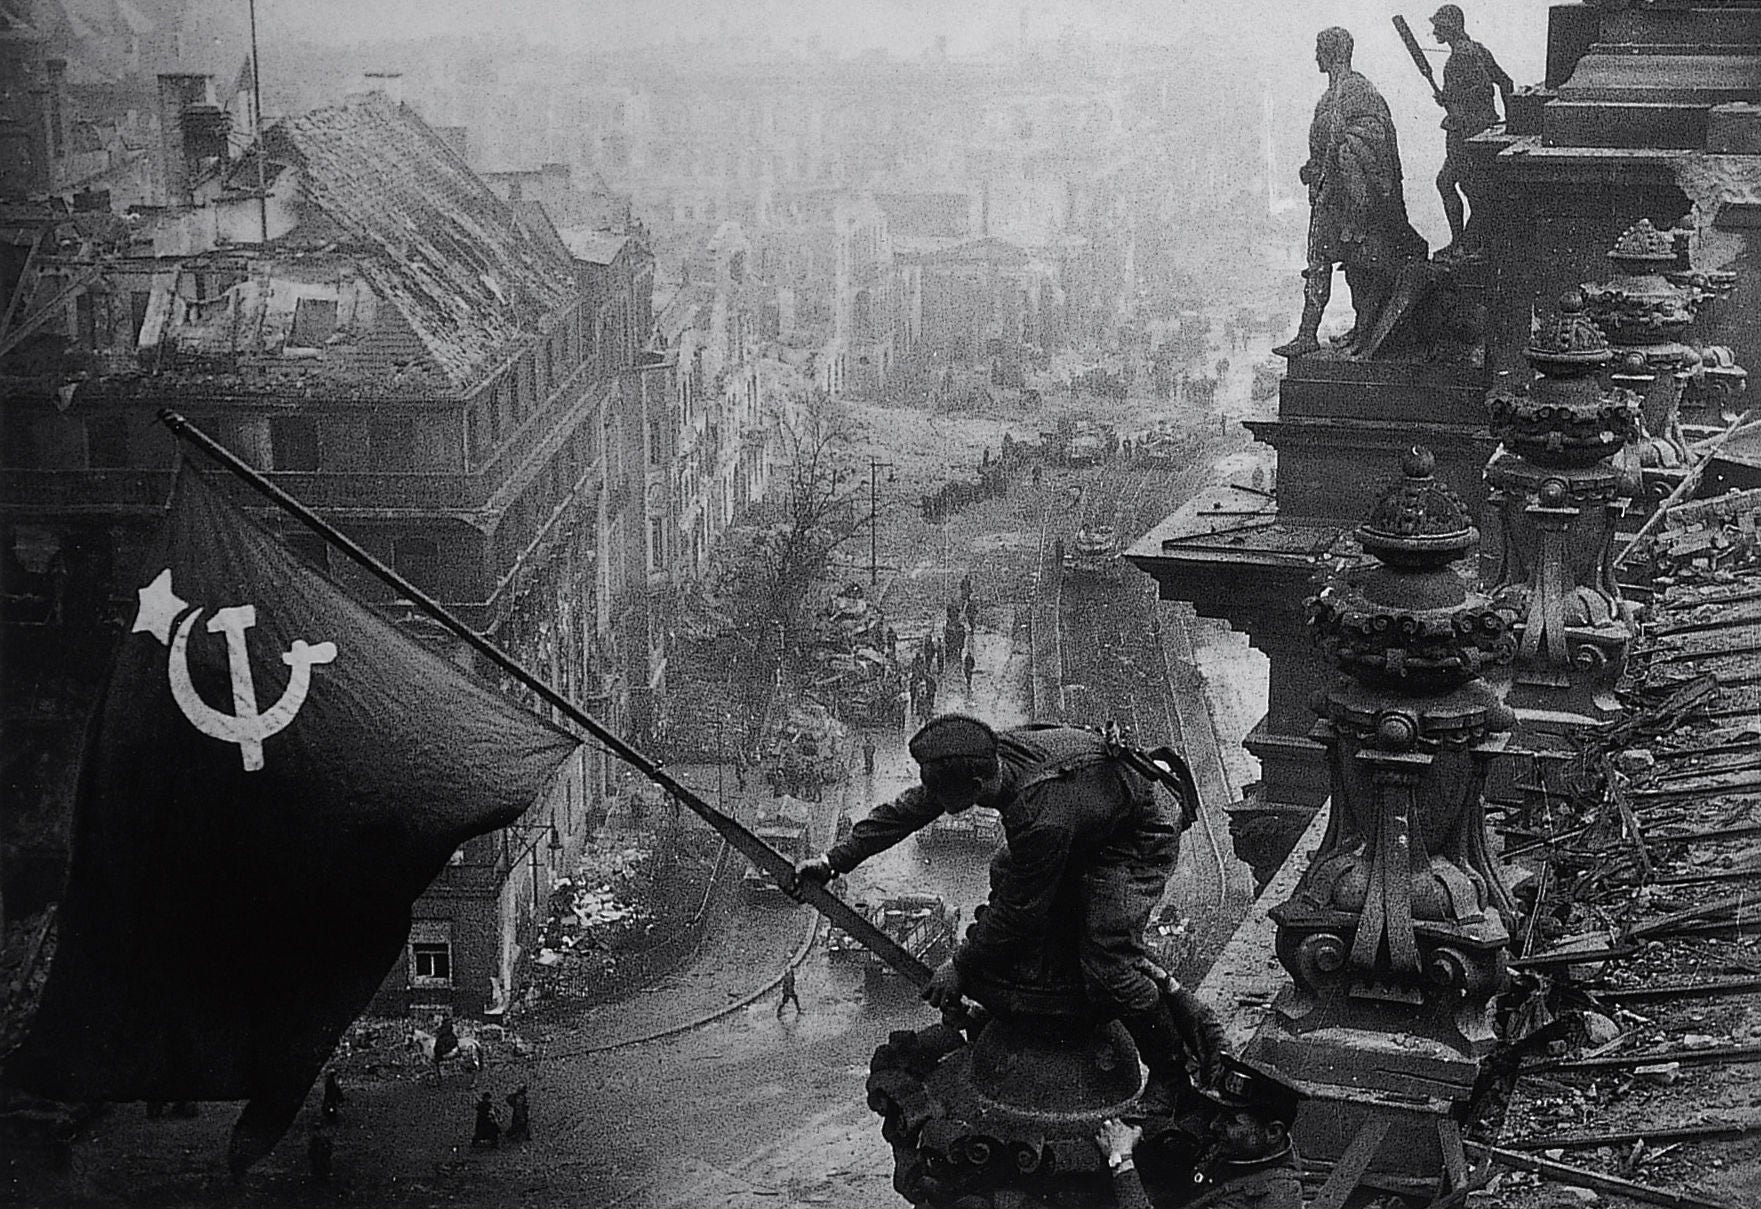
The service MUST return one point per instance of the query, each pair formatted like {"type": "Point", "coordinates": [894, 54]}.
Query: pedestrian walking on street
{"type": "Point", "coordinates": [790, 995]}
{"type": "Point", "coordinates": [967, 663]}
{"type": "Point", "coordinates": [892, 643]}
{"type": "Point", "coordinates": [486, 1133]}
{"type": "Point", "coordinates": [520, 1118]}
{"type": "Point", "coordinates": [333, 1097]}
{"type": "Point", "coordinates": [868, 756]}
{"type": "Point", "coordinates": [446, 1039]}
{"type": "Point", "coordinates": [941, 653]}
{"type": "Point", "coordinates": [954, 641]}
{"type": "Point", "coordinates": [966, 586]}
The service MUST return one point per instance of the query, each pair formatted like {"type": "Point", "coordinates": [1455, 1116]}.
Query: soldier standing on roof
{"type": "Point", "coordinates": [1081, 827]}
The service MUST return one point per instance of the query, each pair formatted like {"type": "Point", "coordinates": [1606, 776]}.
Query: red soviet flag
{"type": "Point", "coordinates": [272, 775]}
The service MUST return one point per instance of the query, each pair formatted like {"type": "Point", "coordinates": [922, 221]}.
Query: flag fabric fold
{"type": "Point", "coordinates": [272, 775]}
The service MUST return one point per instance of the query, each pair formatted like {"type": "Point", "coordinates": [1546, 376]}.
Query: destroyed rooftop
{"type": "Point", "coordinates": [432, 277]}
{"type": "Point", "coordinates": [1643, 970]}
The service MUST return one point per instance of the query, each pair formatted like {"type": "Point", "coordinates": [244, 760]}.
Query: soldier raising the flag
{"type": "Point", "coordinates": [1087, 838]}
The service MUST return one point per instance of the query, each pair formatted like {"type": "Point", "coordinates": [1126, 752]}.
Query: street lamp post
{"type": "Point", "coordinates": [874, 468]}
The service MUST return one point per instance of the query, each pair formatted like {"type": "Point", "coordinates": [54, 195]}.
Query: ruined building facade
{"type": "Point", "coordinates": [423, 363]}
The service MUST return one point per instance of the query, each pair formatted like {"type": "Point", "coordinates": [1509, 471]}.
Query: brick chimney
{"type": "Point", "coordinates": [179, 93]}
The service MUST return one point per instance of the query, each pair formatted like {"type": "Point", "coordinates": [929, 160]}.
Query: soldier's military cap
{"type": "Point", "coordinates": [1449, 14]}
{"type": "Point", "coordinates": [952, 736]}
{"type": "Point", "coordinates": [1249, 1085]}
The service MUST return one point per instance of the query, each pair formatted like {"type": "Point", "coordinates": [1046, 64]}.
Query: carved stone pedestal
{"type": "Point", "coordinates": [1559, 498]}
{"type": "Point", "coordinates": [1364, 1075]}
{"type": "Point", "coordinates": [1007, 1119]}
{"type": "Point", "coordinates": [1395, 938]}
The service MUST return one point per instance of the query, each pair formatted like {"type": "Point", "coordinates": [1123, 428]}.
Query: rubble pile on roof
{"type": "Point", "coordinates": [1638, 1022]}
{"type": "Point", "coordinates": [1712, 539]}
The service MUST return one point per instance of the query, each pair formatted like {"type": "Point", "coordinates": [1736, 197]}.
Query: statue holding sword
{"type": "Point", "coordinates": [1470, 77]}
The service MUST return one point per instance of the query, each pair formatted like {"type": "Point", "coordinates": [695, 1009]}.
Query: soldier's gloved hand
{"type": "Point", "coordinates": [815, 869]}
{"type": "Point", "coordinates": [1200, 1032]}
{"type": "Point", "coordinates": [943, 990]}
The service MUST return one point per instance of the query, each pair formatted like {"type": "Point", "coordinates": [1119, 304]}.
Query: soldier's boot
{"type": "Point", "coordinates": [1159, 1045]}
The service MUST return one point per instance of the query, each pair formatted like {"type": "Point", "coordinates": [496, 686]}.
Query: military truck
{"type": "Point", "coordinates": [788, 835]}
{"type": "Point", "coordinates": [923, 926]}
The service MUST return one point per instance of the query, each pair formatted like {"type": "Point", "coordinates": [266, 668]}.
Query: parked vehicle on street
{"type": "Point", "coordinates": [1094, 553]}
{"type": "Point", "coordinates": [922, 924]}
{"type": "Point", "coordinates": [839, 944]}
{"type": "Point", "coordinates": [788, 835]}
{"type": "Point", "coordinates": [979, 827]}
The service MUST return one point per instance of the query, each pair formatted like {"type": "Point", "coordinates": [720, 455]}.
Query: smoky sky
{"type": "Point", "coordinates": [1262, 50]}
{"type": "Point", "coordinates": [1256, 32]}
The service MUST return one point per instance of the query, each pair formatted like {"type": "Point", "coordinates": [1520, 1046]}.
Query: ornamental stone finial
{"type": "Point", "coordinates": [1645, 308]}
{"type": "Point", "coordinates": [1400, 922]}
{"type": "Point", "coordinates": [1559, 498]}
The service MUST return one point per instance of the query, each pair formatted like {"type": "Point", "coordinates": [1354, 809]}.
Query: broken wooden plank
{"type": "Point", "coordinates": [1710, 989]}
{"type": "Point", "coordinates": [1349, 1170]}
{"type": "Point", "coordinates": [1711, 1131]}
{"type": "Point", "coordinates": [1701, 910]}
{"type": "Point", "coordinates": [1565, 1173]}
{"type": "Point", "coordinates": [1687, 1057]}
{"type": "Point", "coordinates": [1565, 957]}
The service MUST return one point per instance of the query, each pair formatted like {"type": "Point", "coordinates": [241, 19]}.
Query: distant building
{"type": "Point", "coordinates": [424, 363]}
{"type": "Point", "coordinates": [830, 254]}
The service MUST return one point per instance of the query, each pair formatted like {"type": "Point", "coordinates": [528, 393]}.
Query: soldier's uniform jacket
{"type": "Point", "coordinates": [1270, 1183]}
{"type": "Point", "coordinates": [1068, 809]}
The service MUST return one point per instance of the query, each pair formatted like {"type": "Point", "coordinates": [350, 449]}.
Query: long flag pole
{"type": "Point", "coordinates": [756, 850]}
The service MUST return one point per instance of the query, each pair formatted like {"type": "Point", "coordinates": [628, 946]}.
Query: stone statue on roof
{"type": "Point", "coordinates": [1358, 210]}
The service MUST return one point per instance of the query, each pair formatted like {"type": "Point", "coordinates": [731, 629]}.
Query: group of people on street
{"type": "Point", "coordinates": [929, 662]}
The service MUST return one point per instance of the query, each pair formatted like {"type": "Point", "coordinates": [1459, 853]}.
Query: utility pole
{"type": "Point", "coordinates": [874, 467]}
{"type": "Point", "coordinates": [257, 121]}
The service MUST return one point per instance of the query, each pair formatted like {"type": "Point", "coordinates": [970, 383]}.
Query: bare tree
{"type": "Point", "coordinates": [779, 552]}
{"type": "Point", "coordinates": [758, 595]}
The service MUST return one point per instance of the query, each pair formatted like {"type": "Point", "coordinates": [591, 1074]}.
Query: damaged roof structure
{"type": "Point", "coordinates": [350, 309]}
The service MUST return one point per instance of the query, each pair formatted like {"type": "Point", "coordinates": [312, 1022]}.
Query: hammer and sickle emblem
{"type": "Point", "coordinates": [246, 725]}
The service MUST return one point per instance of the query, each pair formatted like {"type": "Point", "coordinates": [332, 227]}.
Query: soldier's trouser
{"type": "Point", "coordinates": [1120, 892]}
